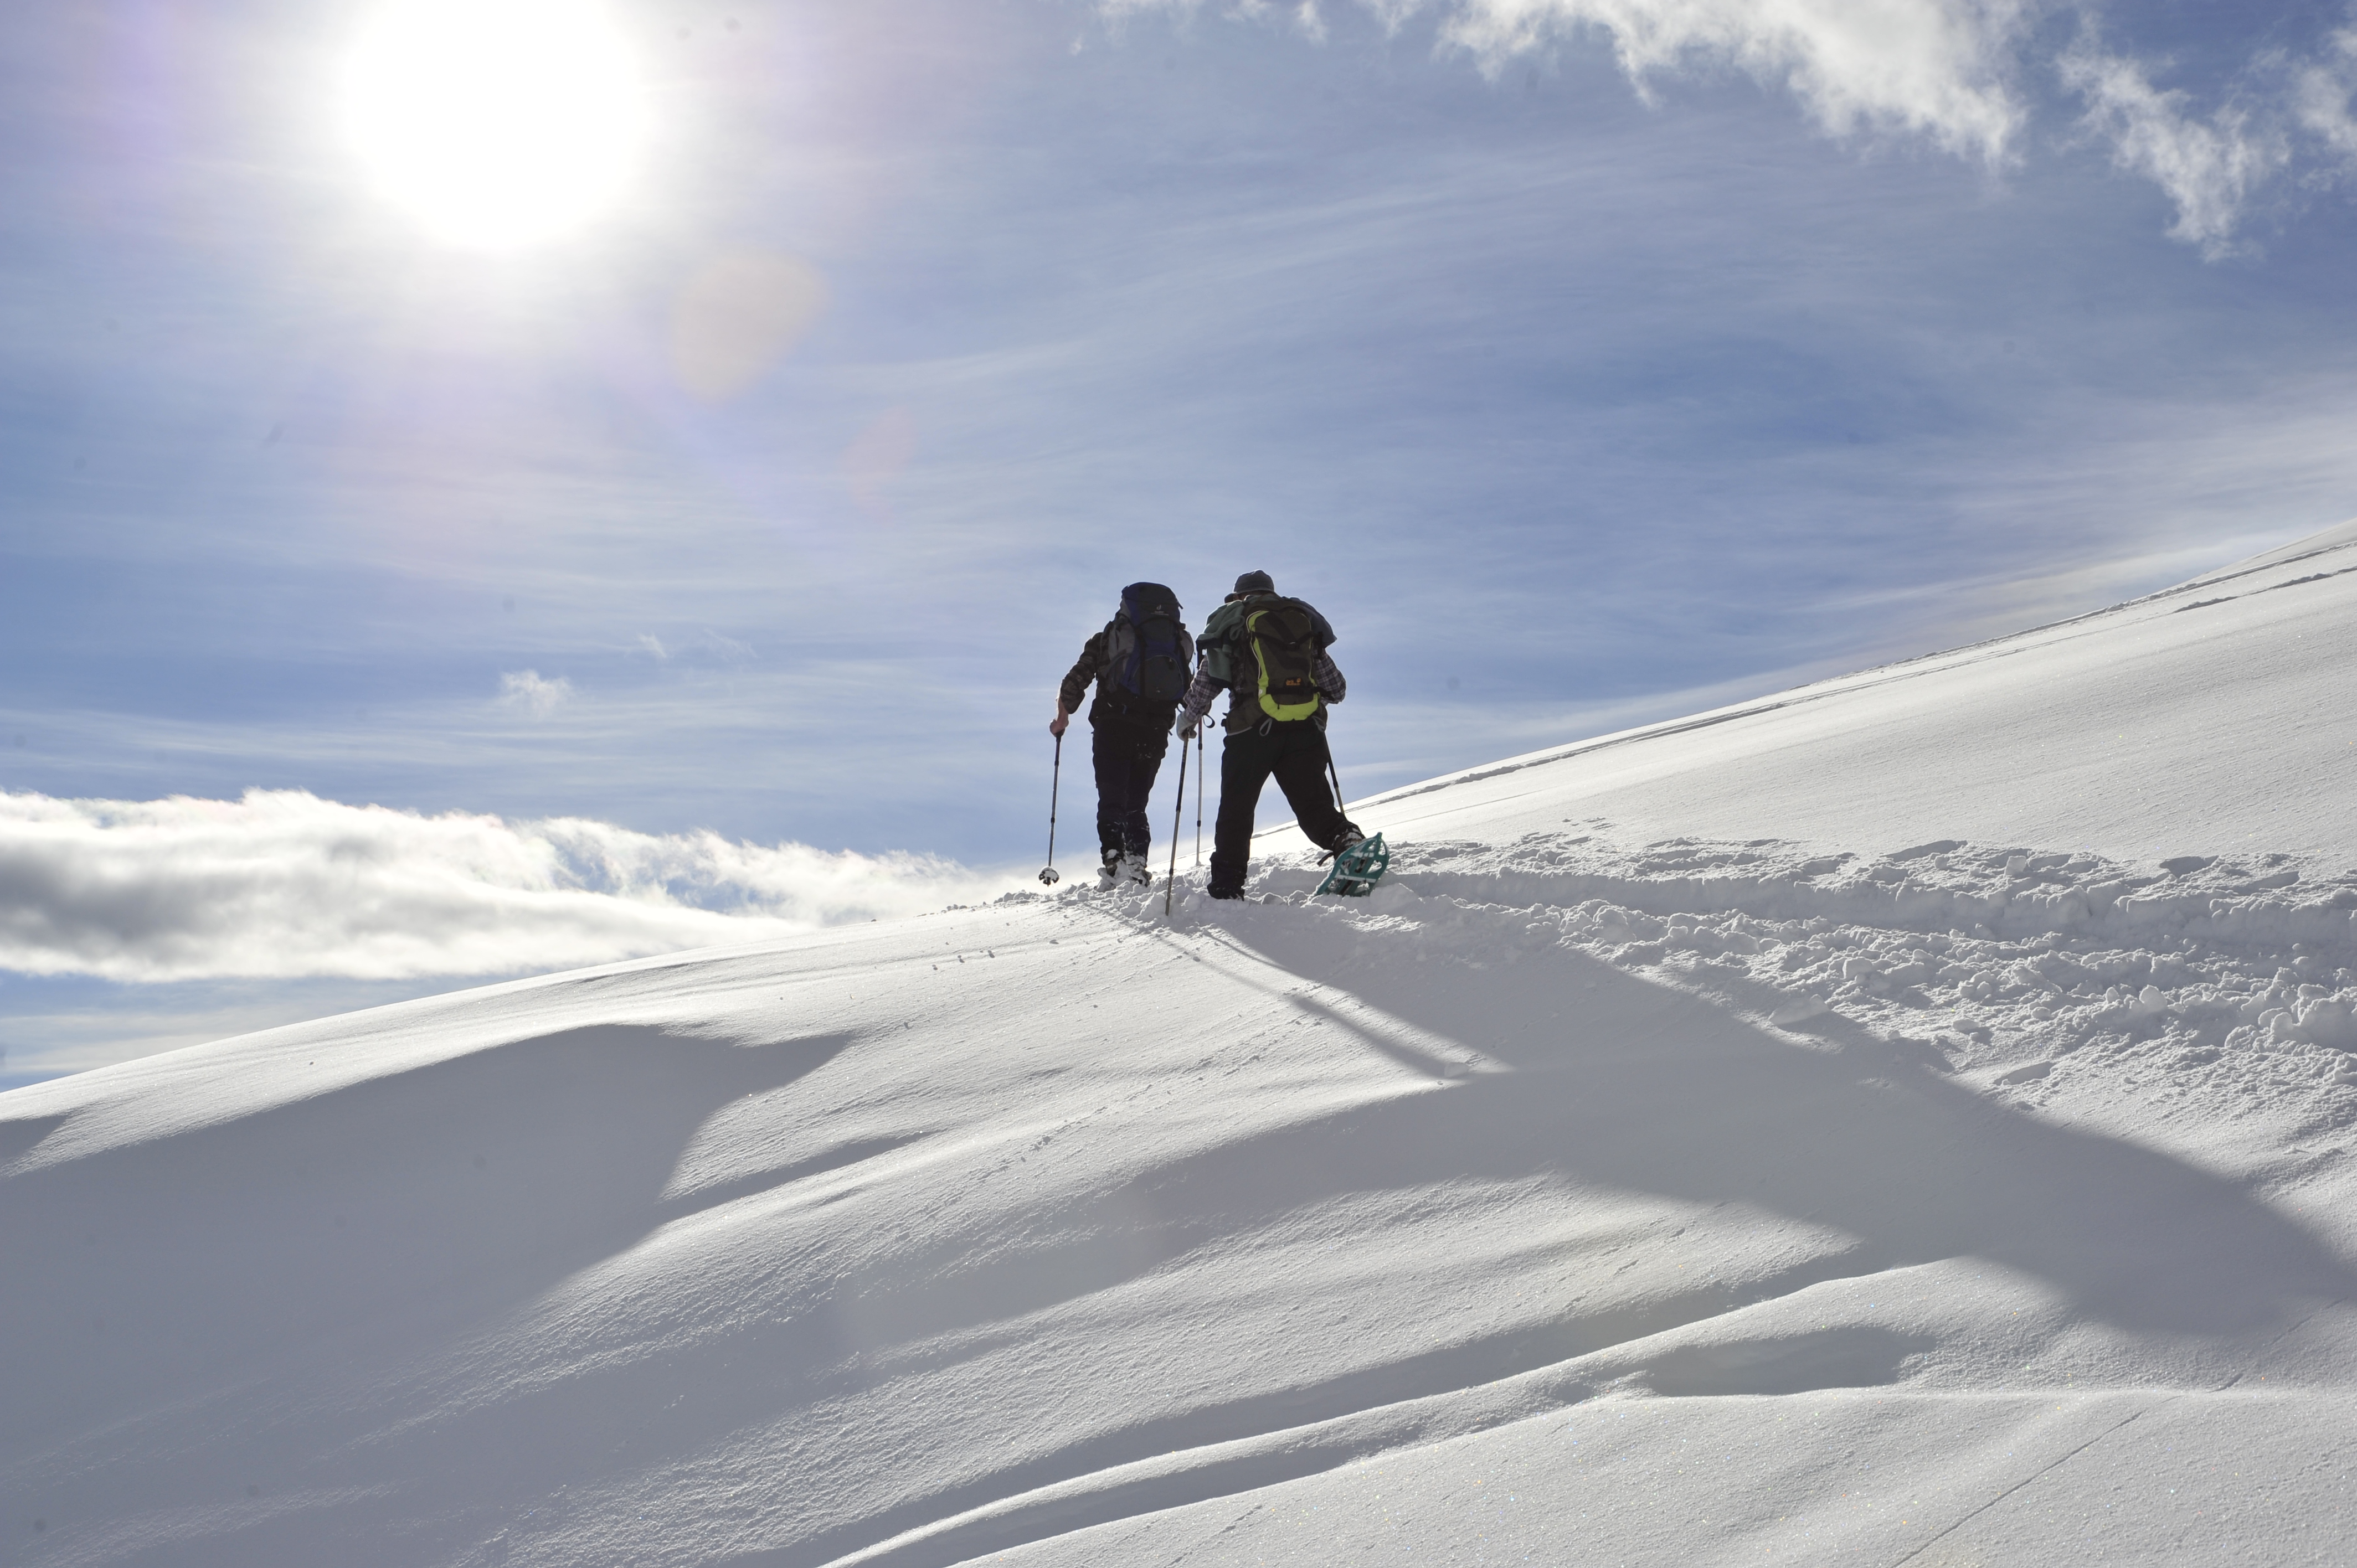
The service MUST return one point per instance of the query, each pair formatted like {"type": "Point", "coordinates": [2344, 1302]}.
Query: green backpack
{"type": "Point", "coordinates": [1282, 636]}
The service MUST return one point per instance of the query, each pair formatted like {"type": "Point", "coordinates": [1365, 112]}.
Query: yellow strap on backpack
{"type": "Point", "coordinates": [1269, 704]}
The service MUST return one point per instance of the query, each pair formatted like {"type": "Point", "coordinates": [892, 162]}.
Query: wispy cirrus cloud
{"type": "Point", "coordinates": [1933, 68]}
{"type": "Point", "coordinates": [1965, 75]}
{"type": "Point", "coordinates": [281, 884]}
{"type": "Point", "coordinates": [533, 692]}
{"type": "Point", "coordinates": [2207, 166]}
{"type": "Point", "coordinates": [2320, 92]}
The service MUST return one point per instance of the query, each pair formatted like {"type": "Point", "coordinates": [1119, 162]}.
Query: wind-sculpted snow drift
{"type": "Point", "coordinates": [1627, 1180]}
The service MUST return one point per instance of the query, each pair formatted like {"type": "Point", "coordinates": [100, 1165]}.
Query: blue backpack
{"type": "Point", "coordinates": [1156, 667]}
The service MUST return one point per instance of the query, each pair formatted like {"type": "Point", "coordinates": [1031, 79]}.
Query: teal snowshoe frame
{"type": "Point", "coordinates": [1358, 868]}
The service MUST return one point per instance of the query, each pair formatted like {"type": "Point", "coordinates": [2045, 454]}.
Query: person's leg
{"type": "Point", "coordinates": [1300, 768]}
{"type": "Point", "coordinates": [1145, 761]}
{"type": "Point", "coordinates": [1110, 760]}
{"type": "Point", "coordinates": [1243, 769]}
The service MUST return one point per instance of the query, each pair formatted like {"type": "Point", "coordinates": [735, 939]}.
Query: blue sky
{"type": "Point", "coordinates": [1586, 361]}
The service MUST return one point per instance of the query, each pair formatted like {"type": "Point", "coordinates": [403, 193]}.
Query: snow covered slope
{"type": "Point", "coordinates": [1858, 1126]}
{"type": "Point", "coordinates": [2207, 719]}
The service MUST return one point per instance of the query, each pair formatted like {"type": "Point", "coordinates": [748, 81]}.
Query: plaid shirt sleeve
{"type": "Point", "coordinates": [1329, 678]}
{"type": "Point", "coordinates": [1075, 688]}
{"type": "Point", "coordinates": [1201, 695]}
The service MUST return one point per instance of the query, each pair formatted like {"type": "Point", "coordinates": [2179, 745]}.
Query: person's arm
{"type": "Point", "coordinates": [1328, 677]}
{"type": "Point", "coordinates": [1069, 695]}
{"type": "Point", "coordinates": [1197, 702]}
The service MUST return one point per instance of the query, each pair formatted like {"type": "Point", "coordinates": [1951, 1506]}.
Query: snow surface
{"type": "Point", "coordinates": [1905, 1120]}
{"type": "Point", "coordinates": [2206, 719]}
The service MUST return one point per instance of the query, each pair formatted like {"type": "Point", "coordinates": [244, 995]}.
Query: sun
{"type": "Point", "coordinates": [499, 123]}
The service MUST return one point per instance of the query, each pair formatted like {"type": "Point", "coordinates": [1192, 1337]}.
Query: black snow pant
{"type": "Point", "coordinates": [1126, 757]}
{"type": "Point", "coordinates": [1296, 753]}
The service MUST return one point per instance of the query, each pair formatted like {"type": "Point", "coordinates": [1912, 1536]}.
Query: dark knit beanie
{"type": "Point", "coordinates": [1256, 583]}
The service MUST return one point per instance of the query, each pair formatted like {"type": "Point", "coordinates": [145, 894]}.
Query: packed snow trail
{"type": "Point", "coordinates": [1587, 1192]}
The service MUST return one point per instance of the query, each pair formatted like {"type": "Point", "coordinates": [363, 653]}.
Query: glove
{"type": "Point", "coordinates": [1187, 726]}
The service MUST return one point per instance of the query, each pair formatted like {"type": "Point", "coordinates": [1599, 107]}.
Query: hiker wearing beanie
{"type": "Point", "coordinates": [1269, 652]}
{"type": "Point", "coordinates": [1139, 662]}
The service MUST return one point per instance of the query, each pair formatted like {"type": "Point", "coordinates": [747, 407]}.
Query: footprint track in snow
{"type": "Point", "coordinates": [2026, 971]}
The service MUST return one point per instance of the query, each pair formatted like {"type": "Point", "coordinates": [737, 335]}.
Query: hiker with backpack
{"type": "Point", "coordinates": [1140, 663]}
{"type": "Point", "coordinates": [1269, 653]}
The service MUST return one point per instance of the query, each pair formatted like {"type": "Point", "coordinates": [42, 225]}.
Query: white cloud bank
{"type": "Point", "coordinates": [283, 885]}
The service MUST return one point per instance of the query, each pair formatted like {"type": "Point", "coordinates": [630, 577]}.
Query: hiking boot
{"type": "Point", "coordinates": [1344, 842]}
{"type": "Point", "coordinates": [1109, 874]}
{"type": "Point", "coordinates": [1221, 890]}
{"type": "Point", "coordinates": [1134, 870]}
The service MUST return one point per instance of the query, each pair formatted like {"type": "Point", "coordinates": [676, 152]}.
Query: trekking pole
{"type": "Point", "coordinates": [1177, 815]}
{"type": "Point", "coordinates": [1054, 780]}
{"type": "Point", "coordinates": [1199, 806]}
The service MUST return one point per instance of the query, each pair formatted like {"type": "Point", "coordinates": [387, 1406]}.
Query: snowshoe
{"type": "Point", "coordinates": [1358, 868]}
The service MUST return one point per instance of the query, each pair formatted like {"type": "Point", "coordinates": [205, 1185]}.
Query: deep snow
{"type": "Point", "coordinates": [1906, 1119]}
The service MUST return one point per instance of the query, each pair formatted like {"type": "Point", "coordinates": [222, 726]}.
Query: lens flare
{"type": "Point", "coordinates": [499, 123]}
{"type": "Point", "coordinates": [738, 315]}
